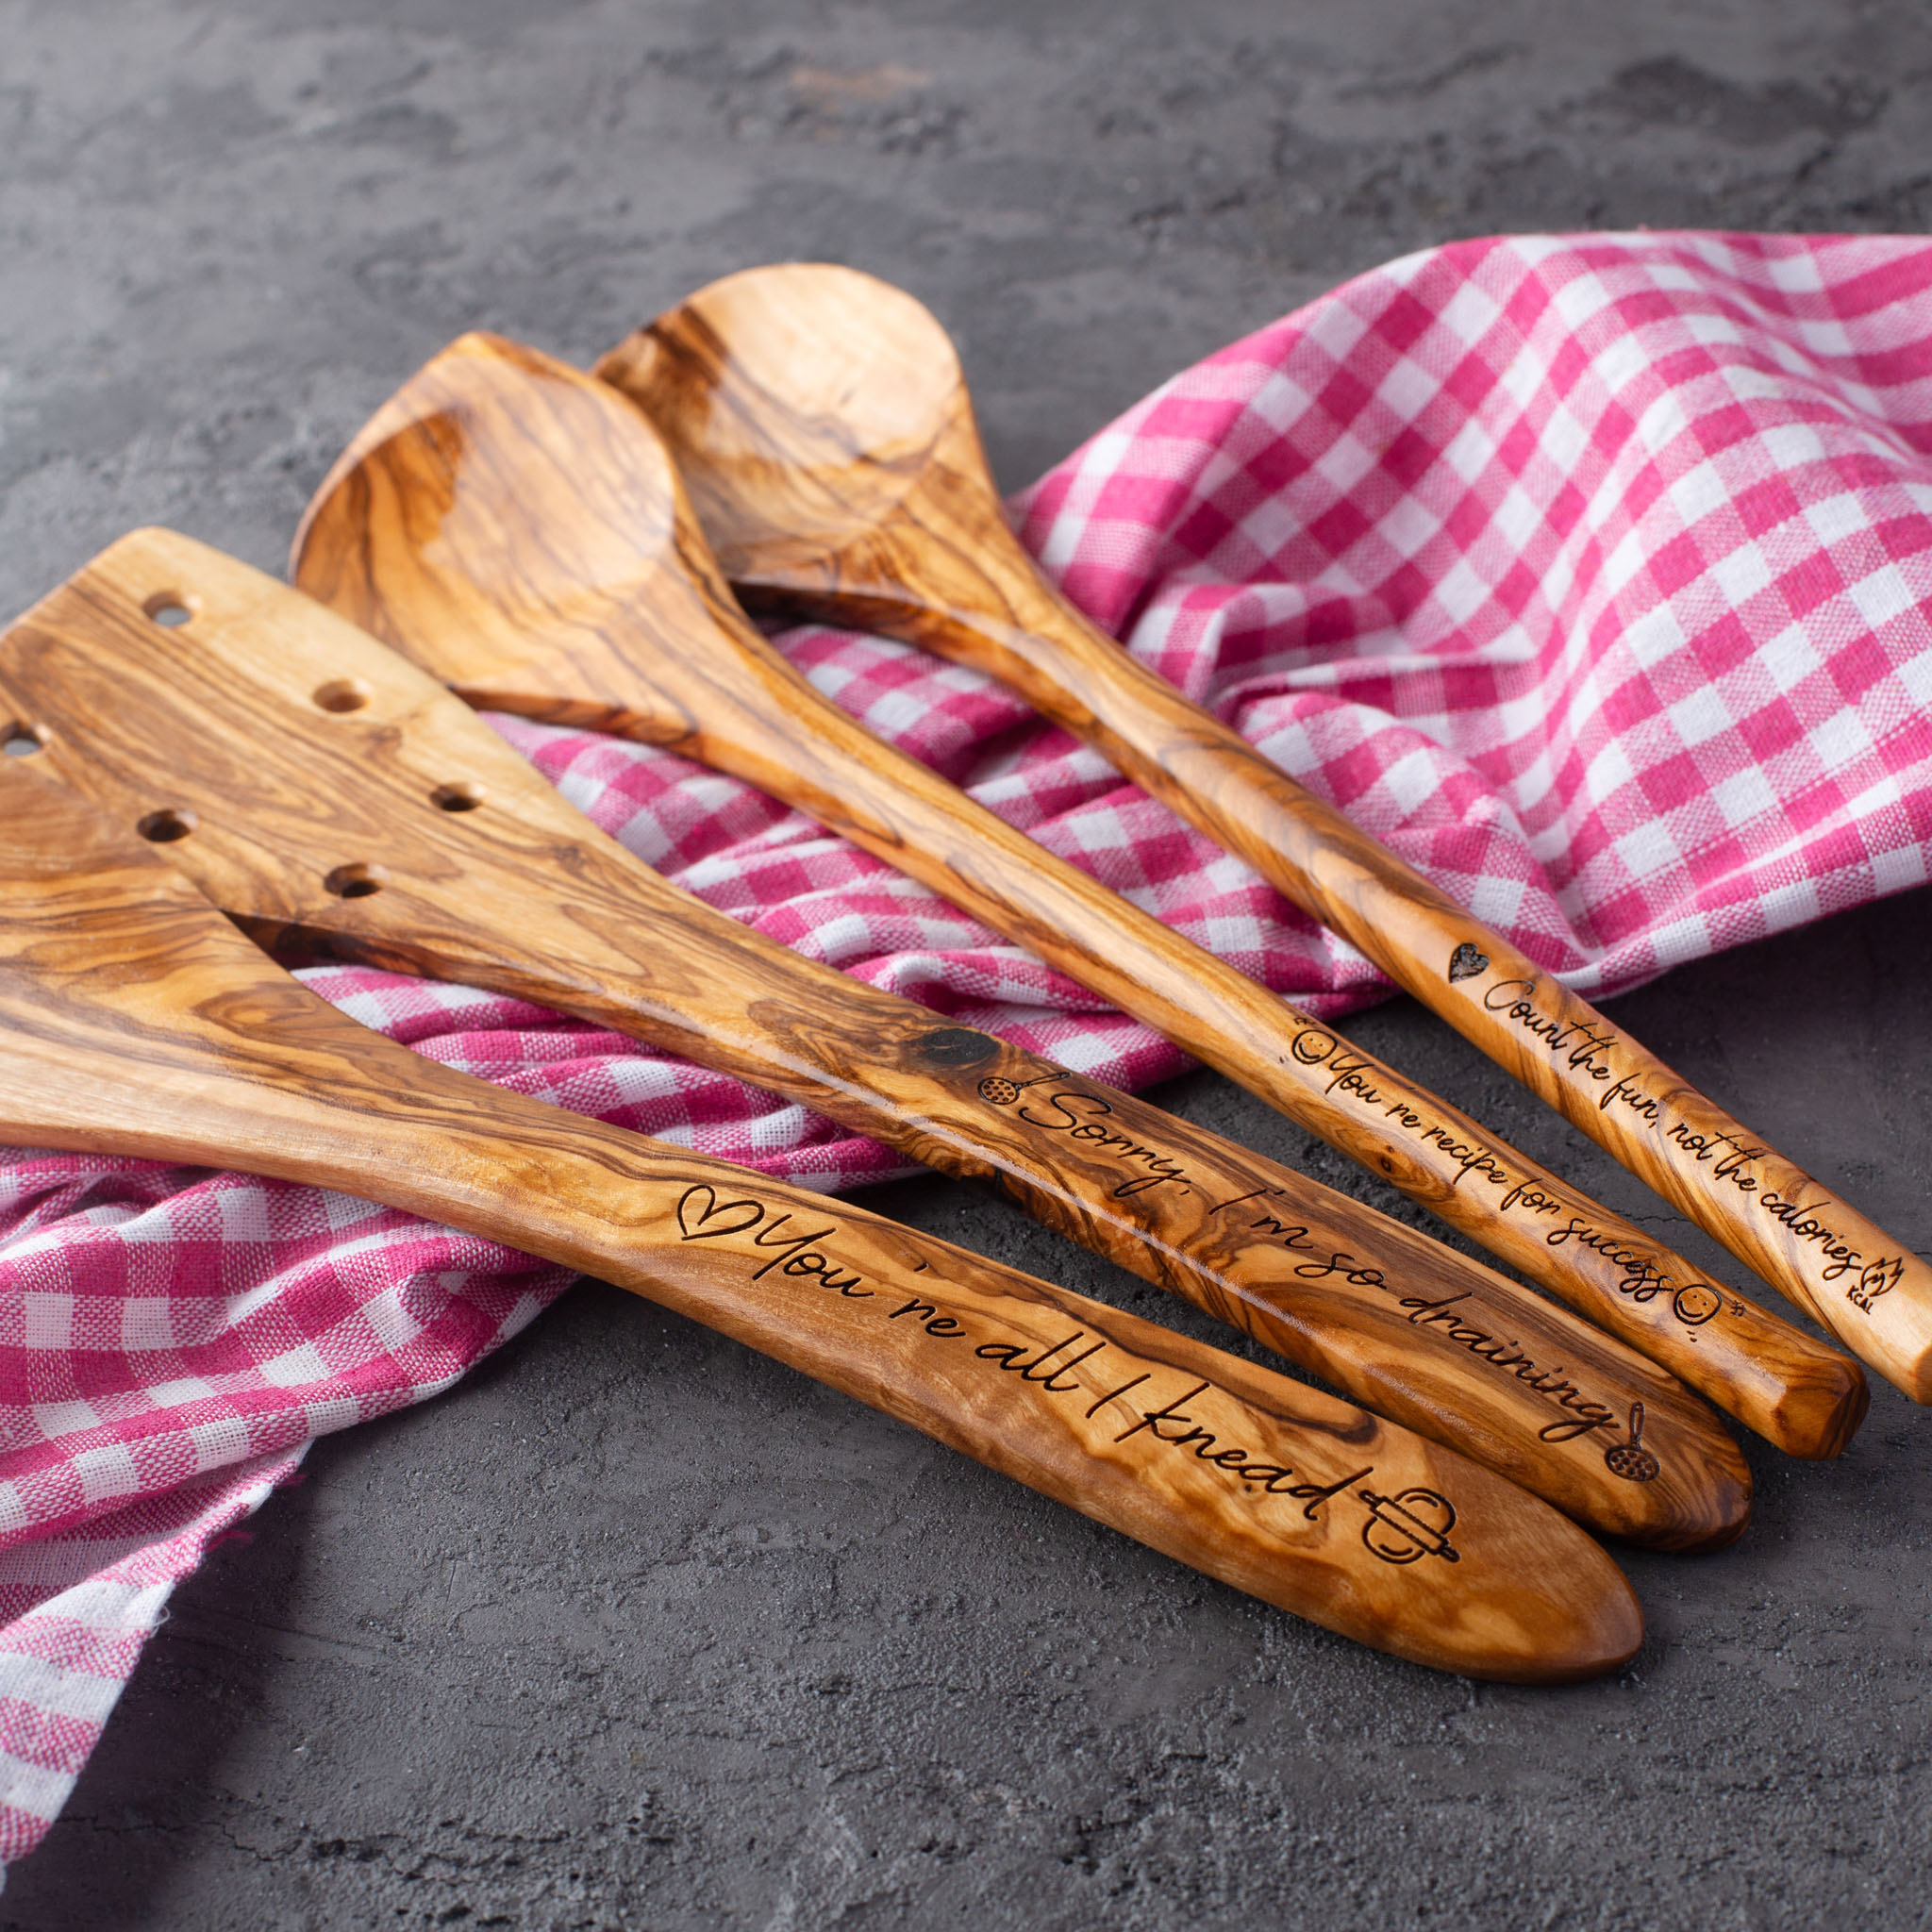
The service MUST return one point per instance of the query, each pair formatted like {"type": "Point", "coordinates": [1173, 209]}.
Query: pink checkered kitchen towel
{"type": "Point", "coordinates": [1594, 574]}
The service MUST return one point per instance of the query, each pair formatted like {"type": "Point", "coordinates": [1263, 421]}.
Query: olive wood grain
{"type": "Point", "coordinates": [516, 529]}
{"type": "Point", "coordinates": [823, 425]}
{"type": "Point", "coordinates": [137, 1020]}
{"type": "Point", "coordinates": [303, 776]}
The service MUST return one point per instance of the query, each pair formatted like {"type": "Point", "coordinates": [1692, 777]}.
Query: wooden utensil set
{"type": "Point", "coordinates": [191, 739]}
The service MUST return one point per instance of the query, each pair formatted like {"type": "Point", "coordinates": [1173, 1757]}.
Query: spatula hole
{"type": "Point", "coordinates": [168, 609]}
{"type": "Point", "coordinates": [343, 694]}
{"type": "Point", "coordinates": [461, 796]}
{"type": "Point", "coordinates": [355, 881]}
{"type": "Point", "coordinates": [19, 741]}
{"type": "Point", "coordinates": [164, 827]}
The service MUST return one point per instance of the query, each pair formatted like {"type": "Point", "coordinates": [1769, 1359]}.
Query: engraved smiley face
{"type": "Point", "coordinates": [1696, 1303]}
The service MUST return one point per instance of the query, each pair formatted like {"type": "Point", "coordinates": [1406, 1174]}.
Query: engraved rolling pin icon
{"type": "Point", "coordinates": [823, 428]}
{"type": "Point", "coordinates": [517, 529]}
{"type": "Point", "coordinates": [324, 793]}
{"type": "Point", "coordinates": [1409, 1526]}
{"type": "Point", "coordinates": [136, 1019]}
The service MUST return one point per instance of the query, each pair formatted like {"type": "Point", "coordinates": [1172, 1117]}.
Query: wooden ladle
{"type": "Point", "coordinates": [137, 1020]}
{"type": "Point", "coordinates": [516, 528]}
{"type": "Point", "coordinates": [823, 429]}
{"type": "Point", "coordinates": [320, 789]}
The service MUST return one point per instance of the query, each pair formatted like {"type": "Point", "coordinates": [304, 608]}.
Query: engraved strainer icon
{"type": "Point", "coordinates": [1632, 1461]}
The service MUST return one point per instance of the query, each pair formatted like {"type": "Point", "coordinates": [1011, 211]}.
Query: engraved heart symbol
{"type": "Point", "coordinates": [699, 1206]}
{"type": "Point", "coordinates": [1466, 961]}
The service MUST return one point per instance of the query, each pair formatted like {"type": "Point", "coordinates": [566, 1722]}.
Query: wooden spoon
{"type": "Point", "coordinates": [138, 1021]}
{"type": "Point", "coordinates": [823, 427]}
{"type": "Point", "coordinates": [316, 787]}
{"type": "Point", "coordinates": [516, 528]}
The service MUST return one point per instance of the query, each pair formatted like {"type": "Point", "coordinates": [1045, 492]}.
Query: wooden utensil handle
{"type": "Point", "coordinates": [1873, 1294]}
{"type": "Point", "coordinates": [134, 1024]}
{"type": "Point", "coordinates": [515, 527]}
{"type": "Point", "coordinates": [890, 805]}
{"type": "Point", "coordinates": [228, 731]}
{"type": "Point", "coordinates": [823, 421]}
{"type": "Point", "coordinates": [1274, 1254]}
{"type": "Point", "coordinates": [1433, 1341]}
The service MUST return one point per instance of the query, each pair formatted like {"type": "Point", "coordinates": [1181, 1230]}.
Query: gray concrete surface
{"type": "Point", "coordinates": [638, 1630]}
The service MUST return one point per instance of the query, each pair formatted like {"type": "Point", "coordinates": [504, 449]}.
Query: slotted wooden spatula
{"type": "Point", "coordinates": [134, 1019]}
{"type": "Point", "coordinates": [518, 530]}
{"type": "Point", "coordinates": [822, 423]}
{"type": "Point", "coordinates": [319, 788]}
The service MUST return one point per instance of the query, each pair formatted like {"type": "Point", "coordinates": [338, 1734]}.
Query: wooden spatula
{"type": "Point", "coordinates": [136, 1020]}
{"type": "Point", "coordinates": [823, 427]}
{"type": "Point", "coordinates": [516, 528]}
{"type": "Point", "coordinates": [319, 788]}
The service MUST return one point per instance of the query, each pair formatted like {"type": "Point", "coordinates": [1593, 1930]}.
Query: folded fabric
{"type": "Point", "coordinates": [1594, 574]}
